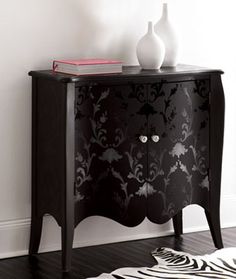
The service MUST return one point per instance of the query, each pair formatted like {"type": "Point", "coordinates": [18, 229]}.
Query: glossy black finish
{"type": "Point", "coordinates": [217, 105]}
{"type": "Point", "coordinates": [67, 225]}
{"type": "Point", "coordinates": [178, 223]}
{"type": "Point", "coordinates": [111, 162]}
{"type": "Point", "coordinates": [129, 72]}
{"type": "Point", "coordinates": [179, 162]}
{"type": "Point", "coordinates": [91, 261]}
{"type": "Point", "coordinates": [88, 159]}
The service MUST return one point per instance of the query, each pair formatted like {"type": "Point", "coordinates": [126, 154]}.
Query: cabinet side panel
{"type": "Point", "coordinates": [49, 136]}
{"type": "Point", "coordinates": [216, 139]}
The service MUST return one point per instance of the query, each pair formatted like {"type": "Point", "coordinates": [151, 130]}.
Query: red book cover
{"type": "Point", "coordinates": [81, 62]}
{"type": "Point", "coordinates": [87, 66]}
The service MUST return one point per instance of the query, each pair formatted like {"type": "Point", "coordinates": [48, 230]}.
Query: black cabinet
{"type": "Point", "coordinates": [126, 146]}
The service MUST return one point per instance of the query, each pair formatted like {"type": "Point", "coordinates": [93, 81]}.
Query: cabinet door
{"type": "Point", "coordinates": [111, 161]}
{"type": "Point", "coordinates": [179, 159]}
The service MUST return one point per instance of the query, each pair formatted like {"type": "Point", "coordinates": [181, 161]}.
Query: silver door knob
{"type": "Point", "coordinates": [155, 138]}
{"type": "Point", "coordinates": [143, 139]}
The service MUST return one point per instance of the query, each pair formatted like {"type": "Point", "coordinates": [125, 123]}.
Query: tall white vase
{"type": "Point", "coordinates": [165, 29]}
{"type": "Point", "coordinates": [150, 50]}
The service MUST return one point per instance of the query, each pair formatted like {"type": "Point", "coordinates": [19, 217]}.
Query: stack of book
{"type": "Point", "coordinates": [87, 66]}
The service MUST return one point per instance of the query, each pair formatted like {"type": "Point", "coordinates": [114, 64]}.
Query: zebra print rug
{"type": "Point", "coordinates": [173, 264]}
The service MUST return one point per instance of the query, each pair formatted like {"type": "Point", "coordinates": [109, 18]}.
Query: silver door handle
{"type": "Point", "coordinates": [143, 139]}
{"type": "Point", "coordinates": [155, 138]}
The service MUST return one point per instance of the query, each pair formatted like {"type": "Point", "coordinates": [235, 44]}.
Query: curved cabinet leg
{"type": "Point", "coordinates": [35, 234]}
{"type": "Point", "coordinates": [213, 220]}
{"type": "Point", "coordinates": [178, 223]}
{"type": "Point", "coordinates": [67, 235]}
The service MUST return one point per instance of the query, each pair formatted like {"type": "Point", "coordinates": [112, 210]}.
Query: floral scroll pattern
{"type": "Point", "coordinates": [111, 159]}
{"type": "Point", "coordinates": [83, 170]}
{"type": "Point", "coordinates": [187, 140]}
{"type": "Point", "coordinates": [104, 154]}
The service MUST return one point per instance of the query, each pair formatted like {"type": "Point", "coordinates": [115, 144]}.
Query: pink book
{"type": "Point", "coordinates": [87, 66]}
{"type": "Point", "coordinates": [88, 61]}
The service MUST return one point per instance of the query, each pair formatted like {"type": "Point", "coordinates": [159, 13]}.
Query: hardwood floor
{"type": "Point", "coordinates": [91, 261]}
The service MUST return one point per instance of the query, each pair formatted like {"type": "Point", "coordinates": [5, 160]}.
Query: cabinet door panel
{"type": "Point", "coordinates": [179, 161]}
{"type": "Point", "coordinates": [111, 162]}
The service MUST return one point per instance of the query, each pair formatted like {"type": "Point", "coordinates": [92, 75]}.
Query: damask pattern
{"type": "Point", "coordinates": [180, 115]}
{"type": "Point", "coordinates": [113, 165]}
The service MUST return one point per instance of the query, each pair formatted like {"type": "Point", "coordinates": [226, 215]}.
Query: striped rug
{"type": "Point", "coordinates": [173, 264]}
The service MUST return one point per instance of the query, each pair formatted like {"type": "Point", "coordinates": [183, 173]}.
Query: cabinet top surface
{"type": "Point", "coordinates": [127, 72]}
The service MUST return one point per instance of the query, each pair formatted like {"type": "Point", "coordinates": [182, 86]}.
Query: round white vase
{"type": "Point", "coordinates": [166, 31]}
{"type": "Point", "coordinates": [150, 50]}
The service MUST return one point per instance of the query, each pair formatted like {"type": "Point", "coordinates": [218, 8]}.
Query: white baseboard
{"type": "Point", "coordinates": [14, 234]}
